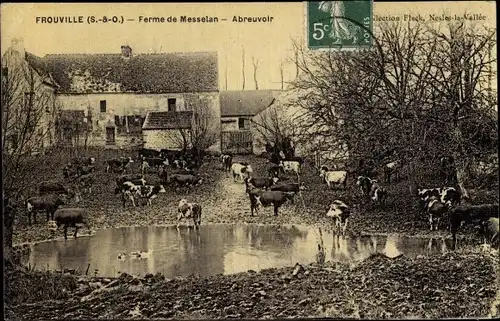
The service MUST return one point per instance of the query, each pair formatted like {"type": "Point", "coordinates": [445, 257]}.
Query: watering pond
{"type": "Point", "coordinates": [213, 249]}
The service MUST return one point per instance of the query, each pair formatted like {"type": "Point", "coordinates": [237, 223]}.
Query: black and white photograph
{"type": "Point", "coordinates": [263, 160]}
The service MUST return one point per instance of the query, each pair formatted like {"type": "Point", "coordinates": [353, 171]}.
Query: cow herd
{"type": "Point", "coordinates": [435, 204]}
{"type": "Point", "coordinates": [182, 170]}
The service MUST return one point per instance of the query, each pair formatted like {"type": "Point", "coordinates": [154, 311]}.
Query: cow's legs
{"type": "Point", "coordinates": [276, 210]}
{"type": "Point", "coordinates": [76, 230]}
{"type": "Point", "coordinates": [345, 226]}
{"type": "Point", "coordinates": [65, 232]}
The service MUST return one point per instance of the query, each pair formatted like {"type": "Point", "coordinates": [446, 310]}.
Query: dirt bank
{"type": "Point", "coordinates": [453, 285]}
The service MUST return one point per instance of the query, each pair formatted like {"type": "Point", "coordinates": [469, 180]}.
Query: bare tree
{"type": "Point", "coordinates": [28, 113]}
{"type": "Point", "coordinates": [400, 99]}
{"type": "Point", "coordinates": [203, 131]}
{"type": "Point", "coordinates": [243, 66]}
{"type": "Point", "coordinates": [282, 75]}
{"type": "Point", "coordinates": [225, 74]}
{"type": "Point", "coordinates": [273, 125]}
{"type": "Point", "coordinates": [255, 64]}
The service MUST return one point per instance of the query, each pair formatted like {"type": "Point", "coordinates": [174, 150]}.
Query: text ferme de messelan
{"type": "Point", "coordinates": [149, 19]}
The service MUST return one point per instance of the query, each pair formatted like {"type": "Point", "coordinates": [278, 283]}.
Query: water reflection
{"type": "Point", "coordinates": [216, 249]}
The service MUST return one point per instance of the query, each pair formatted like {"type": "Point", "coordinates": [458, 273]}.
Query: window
{"type": "Point", "coordinates": [171, 104]}
{"type": "Point", "coordinates": [243, 123]}
{"type": "Point", "coordinates": [103, 106]}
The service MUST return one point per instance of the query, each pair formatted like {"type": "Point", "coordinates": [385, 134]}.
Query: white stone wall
{"type": "Point", "coordinates": [163, 138]}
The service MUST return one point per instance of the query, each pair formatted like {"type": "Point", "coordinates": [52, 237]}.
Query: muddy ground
{"type": "Point", "coordinates": [452, 285]}
{"type": "Point", "coordinates": [459, 284]}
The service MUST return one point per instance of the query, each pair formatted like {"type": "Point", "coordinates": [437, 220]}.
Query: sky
{"type": "Point", "coordinates": [269, 43]}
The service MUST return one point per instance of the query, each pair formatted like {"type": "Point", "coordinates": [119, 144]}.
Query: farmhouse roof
{"type": "Point", "coordinates": [144, 73]}
{"type": "Point", "coordinates": [168, 120]}
{"type": "Point", "coordinates": [246, 102]}
{"type": "Point", "coordinates": [39, 66]}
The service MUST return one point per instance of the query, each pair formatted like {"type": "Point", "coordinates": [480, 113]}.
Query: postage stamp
{"type": "Point", "coordinates": [339, 24]}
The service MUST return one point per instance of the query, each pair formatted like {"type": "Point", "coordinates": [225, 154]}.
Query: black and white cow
{"type": "Point", "coordinates": [378, 193]}
{"type": "Point", "coordinates": [240, 170]}
{"type": "Point", "coordinates": [365, 184]}
{"type": "Point", "coordinates": [392, 168]}
{"type": "Point", "coordinates": [127, 191]}
{"type": "Point", "coordinates": [340, 214]}
{"type": "Point", "coordinates": [149, 192]}
{"type": "Point", "coordinates": [189, 210]}
{"type": "Point", "coordinates": [259, 197]}
{"type": "Point", "coordinates": [435, 210]}
{"type": "Point", "coordinates": [333, 178]}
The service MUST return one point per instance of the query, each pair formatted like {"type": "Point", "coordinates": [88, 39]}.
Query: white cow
{"type": "Point", "coordinates": [290, 166]}
{"type": "Point", "coordinates": [333, 177]}
{"type": "Point", "coordinates": [240, 170]}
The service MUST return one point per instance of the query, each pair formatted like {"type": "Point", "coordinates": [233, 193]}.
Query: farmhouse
{"type": "Point", "coordinates": [28, 102]}
{"type": "Point", "coordinates": [238, 107]}
{"type": "Point", "coordinates": [168, 129]}
{"type": "Point", "coordinates": [116, 91]}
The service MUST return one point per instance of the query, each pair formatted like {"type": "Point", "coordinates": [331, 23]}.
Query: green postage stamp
{"type": "Point", "coordinates": [339, 24]}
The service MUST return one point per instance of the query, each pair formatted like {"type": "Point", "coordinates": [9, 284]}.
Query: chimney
{"type": "Point", "coordinates": [126, 51]}
{"type": "Point", "coordinates": [18, 45]}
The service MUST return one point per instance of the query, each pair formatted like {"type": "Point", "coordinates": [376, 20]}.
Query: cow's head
{"type": "Point", "coordinates": [92, 160]}
{"type": "Point", "coordinates": [302, 187]}
{"type": "Point", "coordinates": [161, 189]}
{"type": "Point", "coordinates": [275, 180]}
{"type": "Point", "coordinates": [183, 204]}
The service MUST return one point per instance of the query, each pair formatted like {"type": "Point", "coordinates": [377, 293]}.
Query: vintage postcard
{"type": "Point", "coordinates": [250, 160]}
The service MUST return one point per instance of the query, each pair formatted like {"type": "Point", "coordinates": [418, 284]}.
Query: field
{"type": "Point", "coordinates": [459, 284]}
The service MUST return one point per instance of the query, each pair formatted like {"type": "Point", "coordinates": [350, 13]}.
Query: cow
{"type": "Point", "coordinates": [138, 182]}
{"type": "Point", "coordinates": [263, 198]}
{"type": "Point", "coordinates": [450, 194]}
{"type": "Point", "coordinates": [274, 170]}
{"type": "Point", "coordinates": [185, 179]}
{"type": "Point", "coordinates": [127, 178]}
{"type": "Point", "coordinates": [86, 181]}
{"type": "Point", "coordinates": [52, 187]}
{"type": "Point", "coordinates": [333, 177]}
{"type": "Point", "coordinates": [150, 192]}
{"type": "Point", "coordinates": [292, 188]}
{"type": "Point", "coordinates": [83, 161]}
{"type": "Point", "coordinates": [489, 230]}
{"type": "Point", "coordinates": [240, 170]}
{"type": "Point", "coordinates": [468, 215]}
{"type": "Point", "coordinates": [290, 166]}
{"type": "Point", "coordinates": [70, 217]}
{"type": "Point", "coordinates": [70, 171]}
{"type": "Point", "coordinates": [340, 213]}
{"type": "Point", "coordinates": [259, 182]}
{"type": "Point", "coordinates": [155, 162]}
{"type": "Point", "coordinates": [189, 210]}
{"type": "Point", "coordinates": [378, 194]}
{"type": "Point", "coordinates": [127, 190]}
{"type": "Point", "coordinates": [149, 153]}
{"type": "Point", "coordinates": [365, 184]}
{"type": "Point", "coordinates": [435, 210]}
{"type": "Point", "coordinates": [46, 203]}
{"type": "Point", "coordinates": [226, 161]}
{"type": "Point", "coordinates": [121, 164]}
{"type": "Point", "coordinates": [84, 169]}
{"type": "Point", "coordinates": [390, 168]}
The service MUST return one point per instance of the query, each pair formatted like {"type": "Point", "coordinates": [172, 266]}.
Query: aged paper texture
{"type": "Point", "coordinates": [250, 160]}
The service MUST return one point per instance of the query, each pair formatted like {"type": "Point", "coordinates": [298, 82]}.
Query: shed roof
{"type": "Point", "coordinates": [168, 120]}
{"type": "Point", "coordinates": [246, 102]}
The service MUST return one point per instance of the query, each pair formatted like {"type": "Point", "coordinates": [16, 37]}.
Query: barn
{"type": "Point", "coordinates": [238, 107]}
